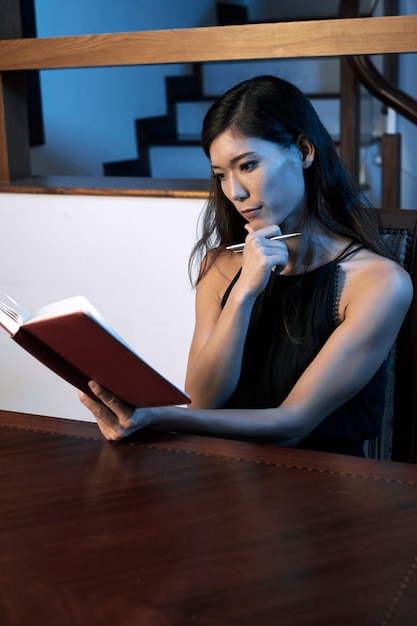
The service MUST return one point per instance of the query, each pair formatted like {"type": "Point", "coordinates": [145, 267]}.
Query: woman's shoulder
{"type": "Point", "coordinates": [221, 264]}
{"type": "Point", "coordinates": [218, 270]}
{"type": "Point", "coordinates": [367, 272]}
{"type": "Point", "coordinates": [364, 260]}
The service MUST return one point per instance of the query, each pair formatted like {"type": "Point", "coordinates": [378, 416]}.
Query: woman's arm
{"type": "Point", "coordinates": [219, 336]}
{"type": "Point", "coordinates": [375, 302]}
{"type": "Point", "coordinates": [217, 346]}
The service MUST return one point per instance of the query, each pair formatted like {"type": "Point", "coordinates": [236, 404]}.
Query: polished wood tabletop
{"type": "Point", "coordinates": [177, 530]}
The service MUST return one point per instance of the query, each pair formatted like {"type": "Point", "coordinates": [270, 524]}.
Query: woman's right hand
{"type": "Point", "coordinates": [261, 255]}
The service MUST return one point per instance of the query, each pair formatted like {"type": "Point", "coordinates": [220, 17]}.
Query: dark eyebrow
{"type": "Point", "coordinates": [239, 157]}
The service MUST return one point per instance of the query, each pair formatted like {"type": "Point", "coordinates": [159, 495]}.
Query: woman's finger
{"type": "Point", "coordinates": [111, 414]}
{"type": "Point", "coordinates": [122, 411]}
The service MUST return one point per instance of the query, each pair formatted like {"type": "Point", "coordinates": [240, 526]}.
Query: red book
{"type": "Point", "coordinates": [73, 340]}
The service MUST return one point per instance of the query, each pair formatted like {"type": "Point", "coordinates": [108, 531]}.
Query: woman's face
{"type": "Point", "coordinates": [264, 181]}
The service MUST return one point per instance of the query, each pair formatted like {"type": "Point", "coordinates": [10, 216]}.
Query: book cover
{"type": "Point", "coordinates": [73, 340]}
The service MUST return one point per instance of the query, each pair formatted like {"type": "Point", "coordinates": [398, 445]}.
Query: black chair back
{"type": "Point", "coordinates": [397, 440]}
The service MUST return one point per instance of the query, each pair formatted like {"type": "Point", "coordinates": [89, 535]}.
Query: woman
{"type": "Point", "coordinates": [291, 335]}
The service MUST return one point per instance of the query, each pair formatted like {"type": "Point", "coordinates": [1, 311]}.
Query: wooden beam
{"type": "Point", "coordinates": [220, 43]}
{"type": "Point", "coordinates": [113, 186]}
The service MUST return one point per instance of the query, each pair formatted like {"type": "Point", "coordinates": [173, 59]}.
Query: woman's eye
{"type": "Point", "coordinates": [247, 167]}
{"type": "Point", "coordinates": [217, 175]}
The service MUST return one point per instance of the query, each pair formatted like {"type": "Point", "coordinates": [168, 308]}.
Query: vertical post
{"type": "Point", "coordinates": [349, 119]}
{"type": "Point", "coordinates": [391, 143]}
{"type": "Point", "coordinates": [391, 158]}
{"type": "Point", "coordinates": [14, 128]}
{"type": "Point", "coordinates": [4, 161]}
{"type": "Point", "coordinates": [390, 61]}
{"type": "Point", "coordinates": [349, 103]}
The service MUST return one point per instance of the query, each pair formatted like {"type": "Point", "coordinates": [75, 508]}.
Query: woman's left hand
{"type": "Point", "coordinates": [115, 419]}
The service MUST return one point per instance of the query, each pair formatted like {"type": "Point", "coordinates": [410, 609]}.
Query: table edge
{"type": "Point", "coordinates": [232, 450]}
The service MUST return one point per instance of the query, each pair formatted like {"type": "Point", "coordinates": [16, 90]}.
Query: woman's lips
{"type": "Point", "coordinates": [251, 213]}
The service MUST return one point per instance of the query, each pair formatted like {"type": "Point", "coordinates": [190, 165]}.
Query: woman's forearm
{"type": "Point", "coordinates": [212, 375]}
{"type": "Point", "coordinates": [284, 425]}
{"type": "Point", "coordinates": [261, 425]}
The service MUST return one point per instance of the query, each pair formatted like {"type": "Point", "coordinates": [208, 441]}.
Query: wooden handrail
{"type": "Point", "coordinates": [219, 43]}
{"type": "Point", "coordinates": [377, 85]}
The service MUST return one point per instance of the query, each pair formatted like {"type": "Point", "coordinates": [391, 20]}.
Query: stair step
{"type": "Point", "coordinates": [129, 167]}
{"type": "Point", "coordinates": [190, 117]}
{"type": "Point", "coordinates": [301, 10]}
{"type": "Point", "coordinates": [178, 162]}
{"type": "Point", "coordinates": [308, 75]}
{"type": "Point", "coordinates": [186, 159]}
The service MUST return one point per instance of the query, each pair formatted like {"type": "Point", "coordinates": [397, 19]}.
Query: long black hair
{"type": "Point", "coordinates": [272, 109]}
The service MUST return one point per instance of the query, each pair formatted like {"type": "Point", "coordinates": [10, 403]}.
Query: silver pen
{"type": "Point", "coordinates": [238, 247]}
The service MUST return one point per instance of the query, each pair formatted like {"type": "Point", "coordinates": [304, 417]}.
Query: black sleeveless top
{"type": "Point", "coordinates": [276, 355]}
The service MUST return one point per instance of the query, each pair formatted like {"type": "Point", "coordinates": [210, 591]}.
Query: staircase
{"type": "Point", "coordinates": [169, 146]}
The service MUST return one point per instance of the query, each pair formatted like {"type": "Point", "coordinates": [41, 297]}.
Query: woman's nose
{"type": "Point", "coordinates": [238, 192]}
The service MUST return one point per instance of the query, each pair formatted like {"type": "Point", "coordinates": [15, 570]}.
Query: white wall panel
{"type": "Point", "coordinates": [127, 255]}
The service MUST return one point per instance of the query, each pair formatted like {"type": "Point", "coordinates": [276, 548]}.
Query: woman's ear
{"type": "Point", "coordinates": [307, 151]}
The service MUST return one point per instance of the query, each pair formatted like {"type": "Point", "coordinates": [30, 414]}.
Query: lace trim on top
{"type": "Point", "coordinates": [346, 253]}
{"type": "Point", "coordinates": [337, 297]}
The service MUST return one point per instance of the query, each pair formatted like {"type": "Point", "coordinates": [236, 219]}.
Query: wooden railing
{"type": "Point", "coordinates": [321, 38]}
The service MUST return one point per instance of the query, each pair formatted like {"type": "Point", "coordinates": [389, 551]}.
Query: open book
{"type": "Point", "coordinates": [73, 340]}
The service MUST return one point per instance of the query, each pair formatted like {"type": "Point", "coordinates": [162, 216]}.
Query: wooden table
{"type": "Point", "coordinates": [175, 530]}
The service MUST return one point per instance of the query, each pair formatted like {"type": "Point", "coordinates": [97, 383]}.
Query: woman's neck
{"type": "Point", "coordinates": [313, 250]}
